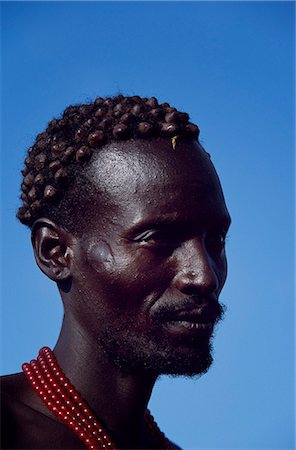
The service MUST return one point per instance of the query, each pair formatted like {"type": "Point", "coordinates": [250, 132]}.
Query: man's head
{"type": "Point", "coordinates": [139, 254]}
{"type": "Point", "coordinates": [54, 167]}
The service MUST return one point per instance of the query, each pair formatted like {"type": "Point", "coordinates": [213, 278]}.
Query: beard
{"type": "Point", "coordinates": [156, 351]}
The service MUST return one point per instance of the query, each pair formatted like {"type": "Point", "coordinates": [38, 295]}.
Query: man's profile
{"type": "Point", "coordinates": [128, 217]}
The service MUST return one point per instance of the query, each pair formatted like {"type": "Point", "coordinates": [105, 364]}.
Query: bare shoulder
{"type": "Point", "coordinates": [24, 424]}
{"type": "Point", "coordinates": [13, 384]}
{"type": "Point", "coordinates": [12, 409]}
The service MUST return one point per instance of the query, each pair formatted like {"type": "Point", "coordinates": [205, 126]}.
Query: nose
{"type": "Point", "coordinates": [196, 274]}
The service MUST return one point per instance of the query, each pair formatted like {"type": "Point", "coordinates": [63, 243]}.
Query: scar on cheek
{"type": "Point", "coordinates": [100, 255]}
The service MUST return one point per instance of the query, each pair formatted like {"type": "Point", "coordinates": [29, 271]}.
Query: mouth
{"type": "Point", "coordinates": [191, 322]}
{"type": "Point", "coordinates": [192, 326]}
{"type": "Point", "coordinates": [188, 319]}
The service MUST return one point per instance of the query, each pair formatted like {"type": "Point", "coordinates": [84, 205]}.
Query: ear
{"type": "Point", "coordinates": [53, 249]}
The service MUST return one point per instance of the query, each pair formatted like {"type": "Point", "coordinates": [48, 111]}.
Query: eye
{"type": "Point", "coordinates": [216, 241]}
{"type": "Point", "coordinates": [154, 237]}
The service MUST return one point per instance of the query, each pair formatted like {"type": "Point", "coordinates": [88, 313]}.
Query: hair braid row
{"type": "Point", "coordinates": [70, 141]}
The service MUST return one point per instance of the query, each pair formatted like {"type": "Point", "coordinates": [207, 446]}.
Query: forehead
{"type": "Point", "coordinates": [151, 177]}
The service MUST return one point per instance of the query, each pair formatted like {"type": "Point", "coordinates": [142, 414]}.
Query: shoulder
{"type": "Point", "coordinates": [12, 384]}
{"type": "Point", "coordinates": [25, 424]}
{"type": "Point", "coordinates": [19, 419]}
{"type": "Point", "coordinates": [13, 389]}
{"type": "Point", "coordinates": [11, 409]}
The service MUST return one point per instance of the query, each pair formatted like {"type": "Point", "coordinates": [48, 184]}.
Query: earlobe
{"type": "Point", "coordinates": [52, 249]}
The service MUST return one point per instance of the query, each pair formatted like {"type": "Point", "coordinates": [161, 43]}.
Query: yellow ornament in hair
{"type": "Point", "coordinates": [174, 141]}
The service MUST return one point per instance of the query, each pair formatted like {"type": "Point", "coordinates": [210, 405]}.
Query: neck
{"type": "Point", "coordinates": [118, 400]}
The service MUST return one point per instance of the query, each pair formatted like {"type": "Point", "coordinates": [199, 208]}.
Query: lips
{"type": "Point", "coordinates": [190, 325]}
{"type": "Point", "coordinates": [182, 329]}
{"type": "Point", "coordinates": [185, 318]}
{"type": "Point", "coordinates": [192, 322]}
{"type": "Point", "coordinates": [195, 316]}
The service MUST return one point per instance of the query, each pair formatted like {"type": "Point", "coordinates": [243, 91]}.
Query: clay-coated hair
{"type": "Point", "coordinates": [65, 148]}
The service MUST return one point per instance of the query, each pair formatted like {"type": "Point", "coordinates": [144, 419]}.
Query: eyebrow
{"type": "Point", "coordinates": [163, 220]}
{"type": "Point", "coordinates": [171, 219]}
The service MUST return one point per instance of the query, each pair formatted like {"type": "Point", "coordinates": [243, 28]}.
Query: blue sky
{"type": "Point", "coordinates": [231, 66]}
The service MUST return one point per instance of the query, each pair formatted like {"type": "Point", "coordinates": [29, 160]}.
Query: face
{"type": "Point", "coordinates": [150, 264]}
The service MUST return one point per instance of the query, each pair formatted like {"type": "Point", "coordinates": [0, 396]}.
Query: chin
{"type": "Point", "coordinates": [184, 361]}
{"type": "Point", "coordinates": [133, 355]}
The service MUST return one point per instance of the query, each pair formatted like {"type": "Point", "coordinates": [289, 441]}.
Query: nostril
{"type": "Point", "coordinates": [192, 283]}
{"type": "Point", "coordinates": [188, 290]}
{"type": "Point", "coordinates": [185, 282]}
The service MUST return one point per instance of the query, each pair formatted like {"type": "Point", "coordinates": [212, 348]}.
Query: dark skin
{"type": "Point", "coordinates": [139, 284]}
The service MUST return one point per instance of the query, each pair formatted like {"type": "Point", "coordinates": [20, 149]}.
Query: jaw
{"type": "Point", "coordinates": [160, 352]}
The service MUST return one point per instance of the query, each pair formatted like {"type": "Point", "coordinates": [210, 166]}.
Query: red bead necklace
{"type": "Point", "coordinates": [64, 401]}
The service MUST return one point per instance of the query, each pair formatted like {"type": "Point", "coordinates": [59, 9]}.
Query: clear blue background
{"type": "Point", "coordinates": [231, 66]}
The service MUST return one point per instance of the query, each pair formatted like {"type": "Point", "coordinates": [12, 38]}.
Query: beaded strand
{"type": "Point", "coordinates": [46, 356]}
{"type": "Point", "coordinates": [65, 402]}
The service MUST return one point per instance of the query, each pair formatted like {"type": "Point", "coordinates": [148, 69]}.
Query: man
{"type": "Point", "coordinates": [128, 218]}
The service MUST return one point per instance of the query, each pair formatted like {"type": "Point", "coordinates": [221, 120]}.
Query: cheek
{"type": "Point", "coordinates": [99, 256]}
{"type": "Point", "coordinates": [127, 273]}
{"type": "Point", "coordinates": [109, 263]}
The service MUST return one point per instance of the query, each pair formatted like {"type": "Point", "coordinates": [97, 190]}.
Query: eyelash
{"type": "Point", "coordinates": [150, 235]}
{"type": "Point", "coordinates": [160, 238]}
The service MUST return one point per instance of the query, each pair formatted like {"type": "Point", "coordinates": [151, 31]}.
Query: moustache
{"type": "Point", "coordinates": [190, 308]}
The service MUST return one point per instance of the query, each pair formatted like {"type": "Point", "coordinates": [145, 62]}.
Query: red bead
{"type": "Point", "coordinates": [61, 397]}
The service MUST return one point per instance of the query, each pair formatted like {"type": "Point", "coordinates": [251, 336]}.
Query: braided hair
{"type": "Point", "coordinates": [61, 152]}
